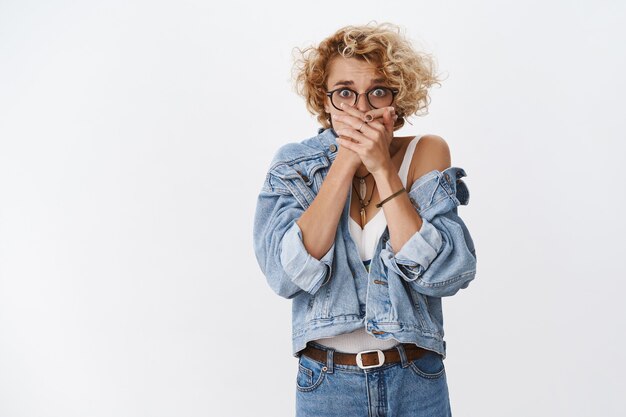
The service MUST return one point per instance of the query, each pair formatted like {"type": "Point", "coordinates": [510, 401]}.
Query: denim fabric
{"type": "Point", "coordinates": [416, 388]}
{"type": "Point", "coordinates": [400, 296]}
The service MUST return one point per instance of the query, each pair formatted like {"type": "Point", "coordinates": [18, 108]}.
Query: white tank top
{"type": "Point", "coordinates": [366, 240]}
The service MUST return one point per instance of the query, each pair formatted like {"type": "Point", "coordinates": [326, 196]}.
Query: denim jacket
{"type": "Point", "coordinates": [400, 297]}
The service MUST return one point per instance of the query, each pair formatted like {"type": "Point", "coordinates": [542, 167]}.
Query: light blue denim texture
{"type": "Point", "coordinates": [416, 388]}
{"type": "Point", "coordinates": [401, 296]}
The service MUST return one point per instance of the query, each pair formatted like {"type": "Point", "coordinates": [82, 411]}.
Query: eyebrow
{"type": "Point", "coordinates": [350, 82]}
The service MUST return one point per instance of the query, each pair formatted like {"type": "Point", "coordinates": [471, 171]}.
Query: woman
{"type": "Point", "coordinates": [360, 229]}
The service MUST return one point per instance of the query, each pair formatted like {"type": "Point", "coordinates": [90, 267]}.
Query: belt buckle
{"type": "Point", "coordinates": [359, 360]}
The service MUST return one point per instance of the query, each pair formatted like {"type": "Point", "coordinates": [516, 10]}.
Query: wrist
{"type": "Point", "coordinates": [387, 181]}
{"type": "Point", "coordinates": [344, 159]}
{"type": "Point", "coordinates": [384, 172]}
{"type": "Point", "coordinates": [345, 165]}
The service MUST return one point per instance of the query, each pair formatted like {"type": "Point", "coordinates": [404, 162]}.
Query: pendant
{"type": "Point", "coordinates": [363, 217]}
{"type": "Point", "coordinates": [362, 188]}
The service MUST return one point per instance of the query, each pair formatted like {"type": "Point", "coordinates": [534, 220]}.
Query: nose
{"type": "Point", "coordinates": [362, 104]}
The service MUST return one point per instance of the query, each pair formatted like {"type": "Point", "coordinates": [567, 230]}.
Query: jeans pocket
{"type": "Point", "coordinates": [311, 374]}
{"type": "Point", "coordinates": [429, 365]}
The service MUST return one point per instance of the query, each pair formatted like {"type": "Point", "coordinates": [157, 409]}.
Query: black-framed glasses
{"type": "Point", "coordinates": [377, 97]}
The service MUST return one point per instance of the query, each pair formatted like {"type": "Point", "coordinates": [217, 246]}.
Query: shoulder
{"type": "Point", "coordinates": [431, 152]}
{"type": "Point", "coordinates": [299, 160]}
{"type": "Point", "coordinates": [291, 152]}
{"type": "Point", "coordinates": [288, 151]}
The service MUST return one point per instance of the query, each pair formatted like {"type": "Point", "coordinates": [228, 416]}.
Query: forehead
{"type": "Point", "coordinates": [353, 69]}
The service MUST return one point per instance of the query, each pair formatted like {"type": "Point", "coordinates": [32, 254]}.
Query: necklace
{"type": "Point", "coordinates": [362, 185]}
{"type": "Point", "coordinates": [361, 194]}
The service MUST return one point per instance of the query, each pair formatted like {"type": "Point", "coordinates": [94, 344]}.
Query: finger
{"type": "Point", "coordinates": [346, 143]}
{"type": "Point", "coordinates": [367, 116]}
{"type": "Point", "coordinates": [353, 111]}
{"type": "Point", "coordinates": [380, 124]}
{"type": "Point", "coordinates": [376, 114]}
{"type": "Point", "coordinates": [354, 134]}
{"type": "Point", "coordinates": [357, 114]}
{"type": "Point", "coordinates": [389, 118]}
{"type": "Point", "coordinates": [376, 124]}
{"type": "Point", "coordinates": [353, 122]}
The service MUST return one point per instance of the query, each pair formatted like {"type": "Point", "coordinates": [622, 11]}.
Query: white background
{"type": "Point", "coordinates": [135, 137]}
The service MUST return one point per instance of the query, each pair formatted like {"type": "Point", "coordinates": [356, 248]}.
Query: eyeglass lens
{"type": "Point", "coordinates": [379, 97]}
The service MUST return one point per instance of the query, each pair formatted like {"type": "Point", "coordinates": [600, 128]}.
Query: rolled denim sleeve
{"type": "Point", "coordinates": [288, 267]}
{"type": "Point", "coordinates": [416, 254]}
{"type": "Point", "coordinates": [303, 269]}
{"type": "Point", "coordinates": [440, 258]}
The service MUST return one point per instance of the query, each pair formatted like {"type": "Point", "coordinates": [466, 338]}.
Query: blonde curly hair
{"type": "Point", "coordinates": [382, 45]}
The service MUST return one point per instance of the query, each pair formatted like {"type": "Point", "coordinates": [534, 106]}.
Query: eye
{"type": "Point", "coordinates": [380, 92]}
{"type": "Point", "coordinates": [345, 93]}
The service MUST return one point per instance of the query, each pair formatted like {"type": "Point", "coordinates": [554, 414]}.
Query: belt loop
{"type": "Point", "coordinates": [402, 352]}
{"type": "Point", "coordinates": [330, 360]}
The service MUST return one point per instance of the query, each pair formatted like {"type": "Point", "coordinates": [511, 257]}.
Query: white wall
{"type": "Point", "coordinates": [135, 136]}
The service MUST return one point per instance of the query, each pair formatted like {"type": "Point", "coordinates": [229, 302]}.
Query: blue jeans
{"type": "Point", "coordinates": [415, 388]}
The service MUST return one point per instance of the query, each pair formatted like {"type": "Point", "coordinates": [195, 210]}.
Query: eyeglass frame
{"type": "Point", "coordinates": [394, 91]}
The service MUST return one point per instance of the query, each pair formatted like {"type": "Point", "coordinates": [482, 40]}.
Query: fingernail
{"type": "Point", "coordinates": [342, 105]}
